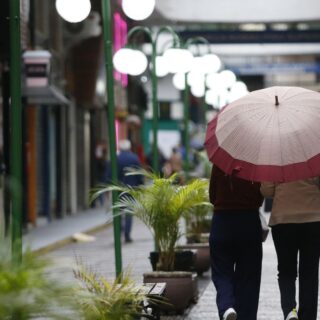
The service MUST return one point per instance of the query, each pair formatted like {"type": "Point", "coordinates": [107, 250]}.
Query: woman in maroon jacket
{"type": "Point", "coordinates": [236, 245]}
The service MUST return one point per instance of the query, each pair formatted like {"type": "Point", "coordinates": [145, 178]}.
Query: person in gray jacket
{"type": "Point", "coordinates": [295, 223]}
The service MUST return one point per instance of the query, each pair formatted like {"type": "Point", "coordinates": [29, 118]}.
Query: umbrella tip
{"type": "Point", "coordinates": [277, 101]}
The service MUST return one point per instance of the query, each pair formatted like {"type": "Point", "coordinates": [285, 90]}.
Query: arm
{"type": "Point", "coordinates": [212, 187]}
{"type": "Point", "coordinates": [268, 189]}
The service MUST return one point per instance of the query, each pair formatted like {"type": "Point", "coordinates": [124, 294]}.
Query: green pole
{"type": "Point", "coordinates": [186, 103]}
{"type": "Point", "coordinates": [16, 130]}
{"type": "Point", "coordinates": [155, 108]}
{"type": "Point", "coordinates": [107, 34]}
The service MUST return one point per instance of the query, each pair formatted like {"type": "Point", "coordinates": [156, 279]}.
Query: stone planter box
{"type": "Point", "coordinates": [181, 288]}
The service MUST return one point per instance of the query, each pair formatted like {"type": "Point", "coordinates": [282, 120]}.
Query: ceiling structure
{"type": "Point", "coordinates": [235, 11]}
{"type": "Point", "coordinates": [250, 35]}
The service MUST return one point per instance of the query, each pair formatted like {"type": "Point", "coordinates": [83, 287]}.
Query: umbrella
{"type": "Point", "coordinates": [268, 135]}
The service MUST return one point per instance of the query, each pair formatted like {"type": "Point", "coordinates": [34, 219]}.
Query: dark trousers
{"type": "Point", "coordinates": [291, 240]}
{"type": "Point", "coordinates": [127, 226]}
{"type": "Point", "coordinates": [236, 258]}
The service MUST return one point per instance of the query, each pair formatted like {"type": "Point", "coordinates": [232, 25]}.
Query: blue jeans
{"type": "Point", "coordinates": [236, 260]}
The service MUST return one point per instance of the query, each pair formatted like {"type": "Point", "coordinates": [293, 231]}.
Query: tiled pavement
{"type": "Point", "coordinates": [99, 255]}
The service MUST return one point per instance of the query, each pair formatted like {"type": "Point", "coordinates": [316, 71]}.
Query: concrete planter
{"type": "Point", "coordinates": [181, 288]}
{"type": "Point", "coordinates": [184, 260]}
{"type": "Point", "coordinates": [202, 262]}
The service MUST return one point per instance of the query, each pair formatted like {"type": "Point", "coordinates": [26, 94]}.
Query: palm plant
{"type": "Point", "coordinates": [198, 222]}
{"type": "Point", "coordinates": [160, 205]}
{"type": "Point", "coordinates": [121, 299]}
{"type": "Point", "coordinates": [26, 292]}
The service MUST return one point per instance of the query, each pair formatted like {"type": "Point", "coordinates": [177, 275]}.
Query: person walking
{"type": "Point", "coordinates": [127, 159]}
{"type": "Point", "coordinates": [295, 223]}
{"type": "Point", "coordinates": [175, 161]}
{"type": "Point", "coordinates": [102, 168]}
{"type": "Point", "coordinates": [235, 244]}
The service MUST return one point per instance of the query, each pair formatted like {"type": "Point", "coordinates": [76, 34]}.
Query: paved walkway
{"type": "Point", "coordinates": [99, 256]}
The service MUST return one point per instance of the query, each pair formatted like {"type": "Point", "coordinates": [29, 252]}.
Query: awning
{"type": "Point", "coordinates": [49, 95]}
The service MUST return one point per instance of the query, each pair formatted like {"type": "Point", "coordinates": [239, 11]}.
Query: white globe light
{"type": "Point", "coordinates": [178, 60]}
{"type": "Point", "coordinates": [195, 78]}
{"type": "Point", "coordinates": [197, 65]}
{"type": "Point", "coordinates": [198, 90]}
{"type": "Point", "coordinates": [138, 9]}
{"type": "Point", "coordinates": [239, 86]}
{"type": "Point", "coordinates": [121, 60]}
{"type": "Point", "coordinates": [73, 10]}
{"type": "Point", "coordinates": [224, 98]}
{"type": "Point", "coordinates": [212, 97]}
{"type": "Point", "coordinates": [179, 81]}
{"type": "Point", "coordinates": [213, 81]}
{"type": "Point", "coordinates": [138, 64]}
{"type": "Point", "coordinates": [237, 91]}
{"type": "Point", "coordinates": [161, 67]}
{"type": "Point", "coordinates": [130, 61]}
{"type": "Point", "coordinates": [211, 63]}
{"type": "Point", "coordinates": [228, 78]}
{"type": "Point", "coordinates": [237, 95]}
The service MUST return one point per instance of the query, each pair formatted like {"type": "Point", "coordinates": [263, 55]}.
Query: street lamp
{"type": "Point", "coordinates": [195, 78]}
{"type": "Point", "coordinates": [175, 57]}
{"type": "Point", "coordinates": [73, 10]}
{"type": "Point", "coordinates": [138, 9]}
{"type": "Point", "coordinates": [123, 61]}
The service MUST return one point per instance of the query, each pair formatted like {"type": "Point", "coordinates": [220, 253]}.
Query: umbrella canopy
{"type": "Point", "coordinates": [269, 135]}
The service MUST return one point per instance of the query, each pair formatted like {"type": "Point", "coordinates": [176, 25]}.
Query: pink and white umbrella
{"type": "Point", "coordinates": [271, 134]}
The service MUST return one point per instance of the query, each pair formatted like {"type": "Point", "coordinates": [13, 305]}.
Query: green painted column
{"type": "Point", "coordinates": [155, 109]}
{"type": "Point", "coordinates": [108, 52]}
{"type": "Point", "coordinates": [186, 116]}
{"type": "Point", "coordinates": [15, 130]}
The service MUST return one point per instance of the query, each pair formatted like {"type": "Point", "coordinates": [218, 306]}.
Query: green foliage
{"type": "Point", "coordinates": [159, 205]}
{"type": "Point", "coordinates": [26, 292]}
{"type": "Point", "coordinates": [101, 299]}
{"type": "Point", "coordinates": [197, 219]}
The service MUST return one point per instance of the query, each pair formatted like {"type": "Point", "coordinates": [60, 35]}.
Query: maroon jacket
{"type": "Point", "coordinates": [232, 193]}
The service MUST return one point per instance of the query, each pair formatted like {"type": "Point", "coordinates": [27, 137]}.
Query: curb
{"type": "Point", "coordinates": [63, 242]}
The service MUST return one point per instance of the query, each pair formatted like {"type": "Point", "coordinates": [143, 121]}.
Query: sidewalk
{"type": "Point", "coordinates": [59, 232]}
{"type": "Point", "coordinates": [99, 256]}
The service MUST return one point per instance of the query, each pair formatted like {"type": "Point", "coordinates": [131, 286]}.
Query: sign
{"type": "Point", "coordinates": [270, 36]}
{"type": "Point", "coordinates": [36, 68]}
{"type": "Point", "coordinates": [275, 68]}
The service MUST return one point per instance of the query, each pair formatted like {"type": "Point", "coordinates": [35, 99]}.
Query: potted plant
{"type": "Point", "coordinates": [198, 227]}
{"type": "Point", "coordinates": [121, 299]}
{"type": "Point", "coordinates": [160, 205]}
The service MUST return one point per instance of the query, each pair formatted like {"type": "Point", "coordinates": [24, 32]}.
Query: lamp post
{"type": "Point", "coordinates": [202, 66]}
{"type": "Point", "coordinates": [107, 35]}
{"type": "Point", "coordinates": [68, 9]}
{"type": "Point", "coordinates": [16, 130]}
{"type": "Point", "coordinates": [177, 57]}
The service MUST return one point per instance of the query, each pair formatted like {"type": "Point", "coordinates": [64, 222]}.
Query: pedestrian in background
{"type": "Point", "coordinates": [128, 159]}
{"type": "Point", "coordinates": [235, 245]}
{"type": "Point", "coordinates": [295, 222]}
{"type": "Point", "coordinates": [102, 170]}
{"type": "Point", "coordinates": [161, 159]}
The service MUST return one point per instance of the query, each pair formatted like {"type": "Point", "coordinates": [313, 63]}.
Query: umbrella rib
{"type": "Point", "coordinates": [245, 131]}
{"type": "Point", "coordinates": [301, 142]}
